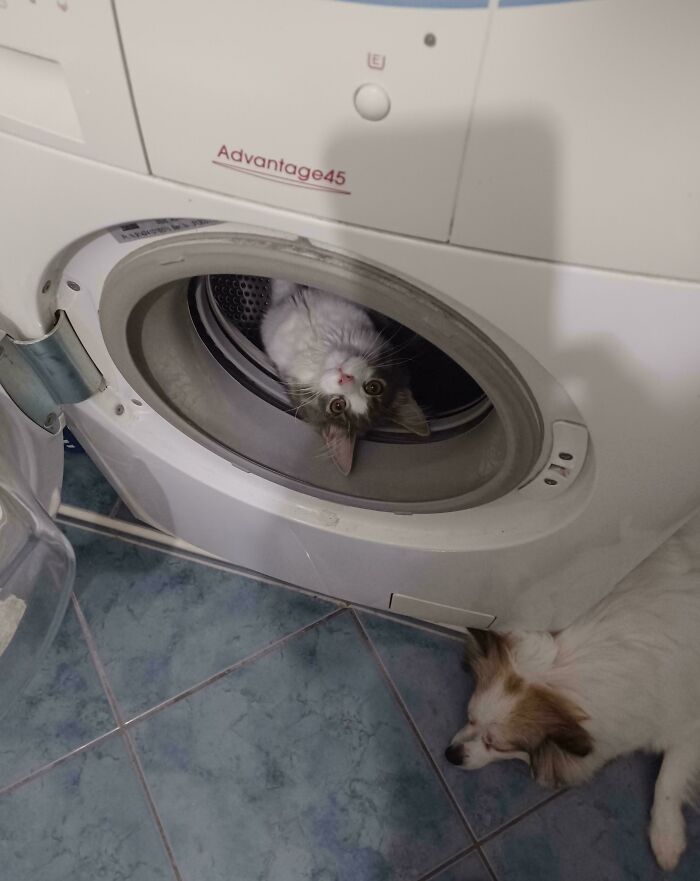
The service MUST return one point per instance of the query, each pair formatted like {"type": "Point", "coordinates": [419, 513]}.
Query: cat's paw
{"type": "Point", "coordinates": [667, 841]}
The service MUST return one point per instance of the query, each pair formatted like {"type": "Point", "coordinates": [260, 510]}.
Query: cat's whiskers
{"type": "Point", "coordinates": [394, 350]}
{"type": "Point", "coordinates": [376, 349]}
{"type": "Point", "coordinates": [391, 362]}
{"type": "Point", "coordinates": [303, 403]}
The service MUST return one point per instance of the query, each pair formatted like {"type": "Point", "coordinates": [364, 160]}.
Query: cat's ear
{"type": "Point", "coordinates": [340, 445]}
{"type": "Point", "coordinates": [281, 288]}
{"type": "Point", "coordinates": [406, 413]}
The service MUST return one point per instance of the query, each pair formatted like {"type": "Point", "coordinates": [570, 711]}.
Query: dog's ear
{"type": "Point", "coordinates": [571, 737]}
{"type": "Point", "coordinates": [549, 727]}
{"type": "Point", "coordinates": [550, 765]}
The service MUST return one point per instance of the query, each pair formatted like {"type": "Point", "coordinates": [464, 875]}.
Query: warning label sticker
{"type": "Point", "coordinates": [146, 229]}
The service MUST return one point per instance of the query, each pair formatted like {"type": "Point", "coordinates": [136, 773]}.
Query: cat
{"type": "Point", "coordinates": [342, 376]}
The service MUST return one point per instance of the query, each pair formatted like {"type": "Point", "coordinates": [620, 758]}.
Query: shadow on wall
{"type": "Point", "coordinates": [523, 170]}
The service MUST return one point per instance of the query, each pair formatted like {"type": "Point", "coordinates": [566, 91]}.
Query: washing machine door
{"type": "Point", "coordinates": [37, 564]}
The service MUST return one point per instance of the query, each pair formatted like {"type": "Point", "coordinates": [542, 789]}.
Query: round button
{"type": "Point", "coordinates": [372, 102]}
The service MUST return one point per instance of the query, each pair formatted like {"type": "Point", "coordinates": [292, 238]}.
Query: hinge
{"type": "Point", "coordinates": [41, 375]}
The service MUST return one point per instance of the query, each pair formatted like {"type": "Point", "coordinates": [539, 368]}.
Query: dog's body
{"type": "Point", "coordinates": [625, 676]}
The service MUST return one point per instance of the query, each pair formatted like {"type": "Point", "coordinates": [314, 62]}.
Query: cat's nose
{"type": "Point", "coordinates": [344, 378]}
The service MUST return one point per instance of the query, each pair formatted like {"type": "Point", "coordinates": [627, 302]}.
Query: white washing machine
{"type": "Point", "coordinates": [511, 187]}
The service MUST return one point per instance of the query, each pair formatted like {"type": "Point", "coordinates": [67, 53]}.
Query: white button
{"type": "Point", "coordinates": [372, 102]}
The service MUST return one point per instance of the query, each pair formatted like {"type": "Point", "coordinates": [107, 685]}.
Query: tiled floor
{"type": "Point", "coordinates": [192, 724]}
{"type": "Point", "coordinates": [83, 485]}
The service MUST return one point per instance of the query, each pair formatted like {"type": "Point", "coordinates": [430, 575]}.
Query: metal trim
{"type": "Point", "coordinates": [40, 375]}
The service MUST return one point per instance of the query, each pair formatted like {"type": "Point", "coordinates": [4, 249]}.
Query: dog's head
{"type": "Point", "coordinates": [510, 717]}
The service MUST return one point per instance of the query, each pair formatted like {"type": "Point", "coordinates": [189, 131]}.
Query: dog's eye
{"type": "Point", "coordinates": [497, 749]}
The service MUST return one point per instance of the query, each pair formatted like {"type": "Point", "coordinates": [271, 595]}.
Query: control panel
{"type": "Point", "coordinates": [565, 131]}
{"type": "Point", "coordinates": [352, 111]}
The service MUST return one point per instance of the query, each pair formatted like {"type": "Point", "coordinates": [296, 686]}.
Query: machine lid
{"type": "Point", "coordinates": [37, 563]}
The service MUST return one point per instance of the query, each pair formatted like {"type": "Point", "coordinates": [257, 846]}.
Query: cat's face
{"type": "Point", "coordinates": [353, 396]}
{"type": "Point", "coordinates": [352, 384]}
{"type": "Point", "coordinates": [353, 392]}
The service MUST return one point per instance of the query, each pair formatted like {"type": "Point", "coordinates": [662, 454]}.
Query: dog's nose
{"type": "Point", "coordinates": [454, 753]}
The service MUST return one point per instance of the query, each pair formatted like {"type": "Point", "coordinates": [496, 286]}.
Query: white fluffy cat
{"type": "Point", "coordinates": [340, 373]}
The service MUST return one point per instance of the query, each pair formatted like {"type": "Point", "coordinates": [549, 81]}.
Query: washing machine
{"type": "Point", "coordinates": [511, 188]}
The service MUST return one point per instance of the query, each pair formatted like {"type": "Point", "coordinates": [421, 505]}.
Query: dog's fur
{"type": "Point", "coordinates": [623, 677]}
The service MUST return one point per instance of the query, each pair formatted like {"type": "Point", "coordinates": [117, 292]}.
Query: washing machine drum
{"type": "Point", "coordinates": [191, 349]}
{"type": "Point", "coordinates": [228, 310]}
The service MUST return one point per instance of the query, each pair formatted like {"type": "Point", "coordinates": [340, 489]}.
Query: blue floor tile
{"type": "Point", "coordinates": [427, 669]}
{"type": "Point", "coordinates": [84, 486]}
{"type": "Point", "coordinates": [597, 831]}
{"type": "Point", "coordinates": [63, 708]}
{"type": "Point", "coordinates": [471, 868]}
{"type": "Point", "coordinates": [298, 766]}
{"type": "Point", "coordinates": [85, 820]}
{"type": "Point", "coordinates": [163, 624]}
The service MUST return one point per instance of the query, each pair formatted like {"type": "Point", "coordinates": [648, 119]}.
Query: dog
{"type": "Point", "coordinates": [624, 676]}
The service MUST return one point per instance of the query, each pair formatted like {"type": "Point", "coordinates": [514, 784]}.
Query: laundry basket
{"type": "Point", "coordinates": [37, 568]}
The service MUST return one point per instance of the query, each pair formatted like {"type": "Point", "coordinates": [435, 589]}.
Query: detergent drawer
{"type": "Point", "coordinates": [352, 111]}
{"type": "Point", "coordinates": [63, 83]}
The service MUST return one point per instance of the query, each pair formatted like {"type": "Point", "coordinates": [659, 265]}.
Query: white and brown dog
{"type": "Point", "coordinates": [623, 677]}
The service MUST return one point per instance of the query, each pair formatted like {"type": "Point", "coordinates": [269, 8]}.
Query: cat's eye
{"type": "Point", "coordinates": [374, 387]}
{"type": "Point", "coordinates": [337, 405]}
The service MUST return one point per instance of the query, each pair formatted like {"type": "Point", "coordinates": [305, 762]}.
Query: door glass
{"type": "Point", "coordinates": [37, 567]}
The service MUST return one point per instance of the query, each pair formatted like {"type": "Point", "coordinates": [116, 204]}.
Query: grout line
{"type": "Point", "coordinates": [121, 725]}
{"type": "Point", "coordinates": [148, 795]}
{"type": "Point", "coordinates": [128, 745]}
{"type": "Point", "coordinates": [485, 860]}
{"type": "Point", "coordinates": [44, 769]}
{"type": "Point", "coordinates": [412, 724]}
{"type": "Point", "coordinates": [514, 820]}
{"type": "Point", "coordinates": [416, 623]}
{"type": "Point", "coordinates": [447, 864]}
{"type": "Point", "coordinates": [243, 662]}
{"type": "Point", "coordinates": [97, 662]}
{"type": "Point", "coordinates": [132, 752]}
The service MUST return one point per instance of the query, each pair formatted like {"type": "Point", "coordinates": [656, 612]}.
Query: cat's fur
{"type": "Point", "coordinates": [326, 348]}
{"type": "Point", "coordinates": [623, 677]}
